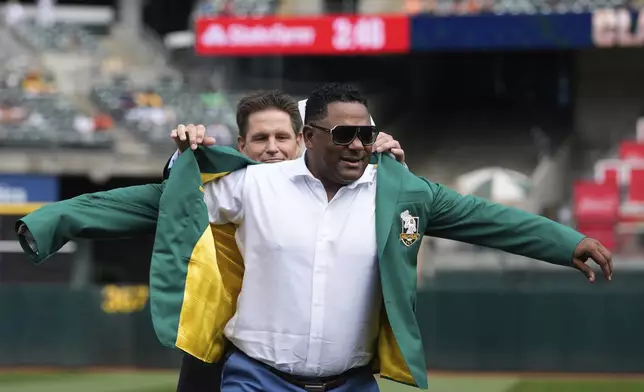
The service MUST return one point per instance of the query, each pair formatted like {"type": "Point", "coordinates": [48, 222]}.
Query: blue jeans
{"type": "Point", "coordinates": [243, 374]}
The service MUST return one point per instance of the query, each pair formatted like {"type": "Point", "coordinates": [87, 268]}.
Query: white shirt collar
{"type": "Point", "coordinates": [300, 170]}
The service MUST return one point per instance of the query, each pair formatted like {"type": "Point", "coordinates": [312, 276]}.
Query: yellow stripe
{"type": "Point", "coordinates": [392, 362]}
{"type": "Point", "coordinates": [207, 306]}
{"type": "Point", "coordinates": [19, 208]}
{"type": "Point", "coordinates": [207, 177]}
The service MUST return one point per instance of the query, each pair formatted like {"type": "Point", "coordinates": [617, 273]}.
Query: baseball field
{"type": "Point", "coordinates": [159, 381]}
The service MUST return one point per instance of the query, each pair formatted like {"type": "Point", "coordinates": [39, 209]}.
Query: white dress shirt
{"type": "Point", "coordinates": [311, 296]}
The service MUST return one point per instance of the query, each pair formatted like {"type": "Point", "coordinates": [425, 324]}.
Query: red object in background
{"type": "Point", "coordinates": [601, 232]}
{"type": "Point", "coordinates": [636, 186]}
{"type": "Point", "coordinates": [611, 176]}
{"type": "Point", "coordinates": [596, 203]}
{"type": "Point", "coordinates": [103, 122]}
{"type": "Point", "coordinates": [596, 208]}
{"type": "Point", "coordinates": [609, 171]}
{"type": "Point", "coordinates": [321, 35]}
{"type": "Point", "coordinates": [630, 150]}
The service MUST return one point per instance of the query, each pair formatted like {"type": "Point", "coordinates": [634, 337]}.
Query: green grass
{"type": "Point", "coordinates": [166, 382]}
{"type": "Point", "coordinates": [578, 386]}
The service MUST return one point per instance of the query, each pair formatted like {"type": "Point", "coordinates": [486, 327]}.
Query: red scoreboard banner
{"type": "Point", "coordinates": [316, 35]}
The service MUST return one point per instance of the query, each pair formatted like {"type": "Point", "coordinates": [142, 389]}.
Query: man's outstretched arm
{"type": "Point", "coordinates": [477, 221]}
{"type": "Point", "coordinates": [118, 213]}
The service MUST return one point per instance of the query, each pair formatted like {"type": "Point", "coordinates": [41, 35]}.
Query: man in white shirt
{"type": "Point", "coordinates": [309, 224]}
{"type": "Point", "coordinates": [269, 125]}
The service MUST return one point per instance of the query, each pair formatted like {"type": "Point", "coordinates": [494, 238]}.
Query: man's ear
{"type": "Point", "coordinates": [307, 134]}
{"type": "Point", "coordinates": [241, 143]}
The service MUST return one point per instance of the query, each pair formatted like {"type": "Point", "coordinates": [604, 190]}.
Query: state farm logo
{"type": "Point", "coordinates": [215, 35]}
{"type": "Point", "coordinates": [275, 34]}
{"type": "Point", "coordinates": [597, 206]}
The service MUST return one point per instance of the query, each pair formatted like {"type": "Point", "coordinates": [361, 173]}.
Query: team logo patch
{"type": "Point", "coordinates": [409, 233]}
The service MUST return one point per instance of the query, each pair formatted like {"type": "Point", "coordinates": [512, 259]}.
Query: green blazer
{"type": "Point", "coordinates": [197, 270]}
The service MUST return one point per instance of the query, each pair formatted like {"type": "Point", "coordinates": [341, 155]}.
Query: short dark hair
{"type": "Point", "coordinates": [263, 100]}
{"type": "Point", "coordinates": [319, 100]}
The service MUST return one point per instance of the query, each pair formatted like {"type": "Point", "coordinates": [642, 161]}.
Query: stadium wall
{"type": "Point", "coordinates": [533, 321]}
{"type": "Point", "coordinates": [56, 326]}
{"type": "Point", "coordinates": [519, 321]}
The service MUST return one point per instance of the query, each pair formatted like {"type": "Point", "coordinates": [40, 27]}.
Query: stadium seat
{"type": "Point", "coordinates": [60, 37]}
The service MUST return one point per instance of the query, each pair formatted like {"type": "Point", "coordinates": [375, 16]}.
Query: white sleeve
{"type": "Point", "coordinates": [173, 158]}
{"type": "Point", "coordinates": [223, 198]}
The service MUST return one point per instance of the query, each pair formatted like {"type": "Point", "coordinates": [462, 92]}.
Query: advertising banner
{"type": "Point", "coordinates": [602, 28]}
{"type": "Point", "coordinates": [18, 188]}
{"type": "Point", "coordinates": [380, 34]}
{"type": "Point", "coordinates": [314, 35]}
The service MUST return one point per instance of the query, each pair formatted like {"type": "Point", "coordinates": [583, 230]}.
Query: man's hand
{"type": "Point", "coordinates": [386, 143]}
{"type": "Point", "coordinates": [191, 136]}
{"type": "Point", "coordinates": [589, 248]}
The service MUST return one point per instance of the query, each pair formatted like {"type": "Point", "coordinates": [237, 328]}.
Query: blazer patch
{"type": "Point", "coordinates": [409, 234]}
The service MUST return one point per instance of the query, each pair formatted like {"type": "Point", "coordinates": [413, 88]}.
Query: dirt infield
{"type": "Point", "coordinates": [441, 373]}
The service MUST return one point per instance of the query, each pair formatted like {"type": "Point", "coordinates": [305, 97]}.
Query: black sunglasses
{"type": "Point", "coordinates": [343, 135]}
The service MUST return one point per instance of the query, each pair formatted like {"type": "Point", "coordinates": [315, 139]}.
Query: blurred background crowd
{"type": "Point", "coordinates": [537, 104]}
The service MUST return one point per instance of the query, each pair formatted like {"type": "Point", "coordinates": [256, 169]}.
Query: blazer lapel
{"type": "Point", "coordinates": [387, 190]}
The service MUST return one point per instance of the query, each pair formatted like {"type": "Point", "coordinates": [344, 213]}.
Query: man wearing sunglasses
{"type": "Point", "coordinates": [270, 124]}
{"type": "Point", "coordinates": [328, 244]}
{"type": "Point", "coordinates": [327, 237]}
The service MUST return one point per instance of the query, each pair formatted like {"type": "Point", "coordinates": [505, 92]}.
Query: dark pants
{"type": "Point", "coordinates": [198, 376]}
